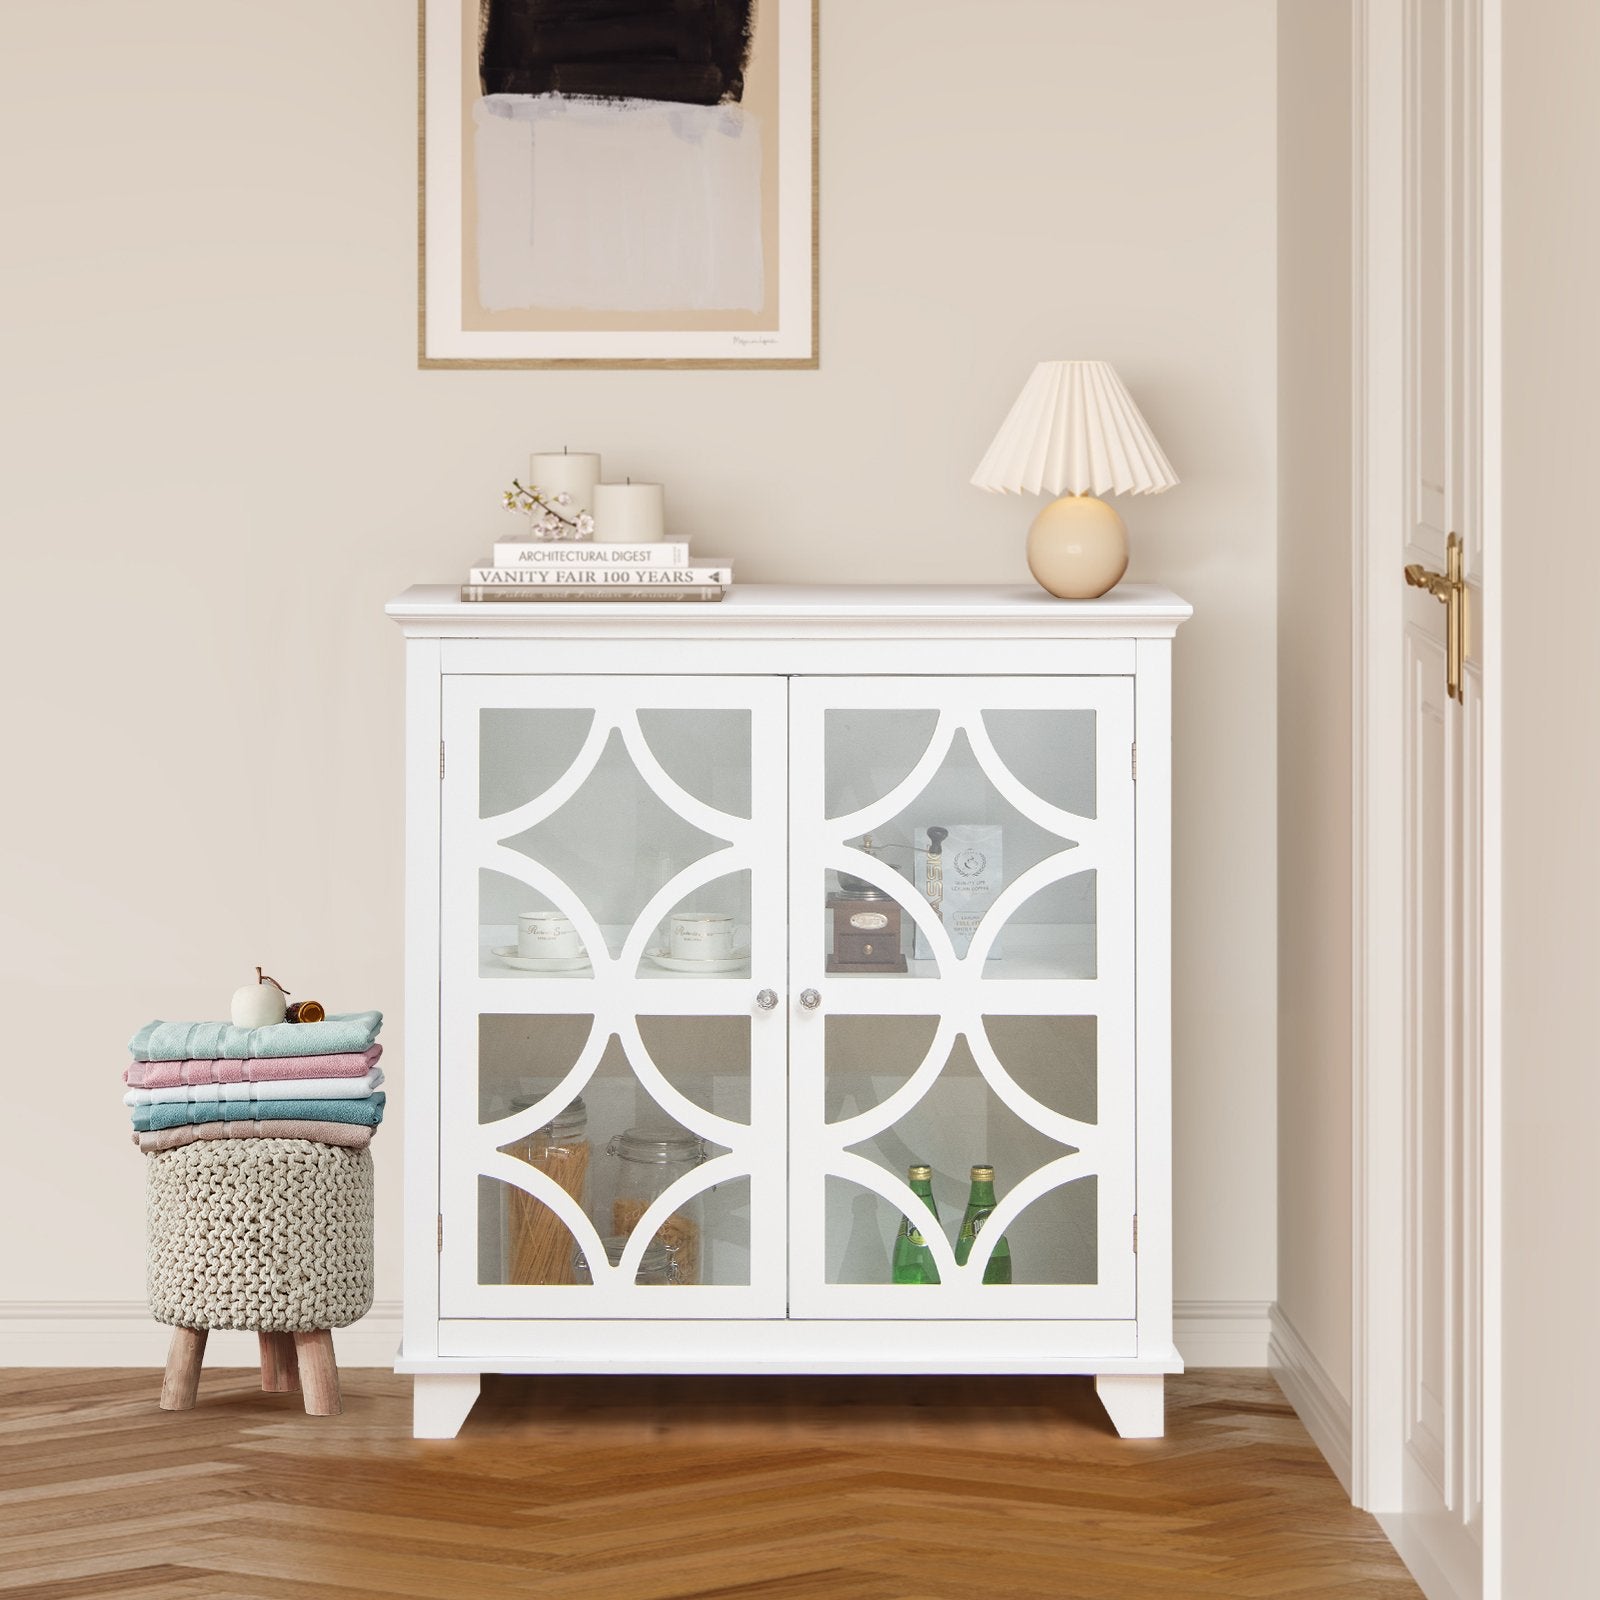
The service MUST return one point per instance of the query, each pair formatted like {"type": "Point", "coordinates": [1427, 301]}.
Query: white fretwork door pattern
{"type": "Point", "coordinates": [614, 802]}
{"type": "Point", "coordinates": [1009, 1039]}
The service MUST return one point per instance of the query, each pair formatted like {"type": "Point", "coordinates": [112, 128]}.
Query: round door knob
{"type": "Point", "coordinates": [810, 999]}
{"type": "Point", "coordinates": [767, 1000]}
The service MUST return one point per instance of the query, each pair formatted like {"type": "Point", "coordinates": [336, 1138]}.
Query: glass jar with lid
{"type": "Point", "coordinates": [538, 1244]}
{"type": "Point", "coordinates": [649, 1161]}
{"type": "Point", "coordinates": [654, 1268]}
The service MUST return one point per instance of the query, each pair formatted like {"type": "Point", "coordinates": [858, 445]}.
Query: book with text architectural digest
{"type": "Point", "coordinates": [550, 553]}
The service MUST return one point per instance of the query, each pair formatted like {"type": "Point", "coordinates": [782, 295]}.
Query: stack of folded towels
{"type": "Point", "coordinates": [288, 1080]}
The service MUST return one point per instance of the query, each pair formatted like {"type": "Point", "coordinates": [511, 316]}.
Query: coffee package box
{"type": "Point", "coordinates": [959, 870]}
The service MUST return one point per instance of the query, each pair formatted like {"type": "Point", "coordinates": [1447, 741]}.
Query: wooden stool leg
{"type": "Point", "coordinates": [280, 1370]}
{"type": "Point", "coordinates": [181, 1381]}
{"type": "Point", "coordinates": [319, 1373]}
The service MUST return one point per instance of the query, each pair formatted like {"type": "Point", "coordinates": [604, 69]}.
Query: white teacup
{"type": "Point", "coordinates": [547, 933]}
{"type": "Point", "coordinates": [701, 936]}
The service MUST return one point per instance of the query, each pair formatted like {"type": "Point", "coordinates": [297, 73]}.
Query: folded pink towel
{"type": "Point", "coordinates": [351, 1135]}
{"type": "Point", "coordinates": [255, 1069]}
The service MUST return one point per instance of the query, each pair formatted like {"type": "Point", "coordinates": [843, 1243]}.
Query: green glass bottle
{"type": "Point", "coordinates": [980, 1204]}
{"type": "Point", "coordinates": [913, 1261]}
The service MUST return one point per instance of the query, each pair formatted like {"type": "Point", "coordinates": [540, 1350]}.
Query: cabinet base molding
{"type": "Point", "coordinates": [792, 1346]}
{"type": "Point", "coordinates": [1131, 1389]}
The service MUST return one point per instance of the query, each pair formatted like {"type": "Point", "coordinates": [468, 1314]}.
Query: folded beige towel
{"type": "Point", "coordinates": [353, 1135]}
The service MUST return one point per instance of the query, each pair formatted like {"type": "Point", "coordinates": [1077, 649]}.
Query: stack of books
{"type": "Point", "coordinates": [550, 570]}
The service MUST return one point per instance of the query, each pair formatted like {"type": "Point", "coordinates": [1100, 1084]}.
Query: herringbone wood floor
{"type": "Point", "coordinates": [672, 1489]}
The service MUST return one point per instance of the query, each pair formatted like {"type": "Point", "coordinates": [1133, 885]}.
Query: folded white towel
{"type": "Point", "coordinates": [266, 1089]}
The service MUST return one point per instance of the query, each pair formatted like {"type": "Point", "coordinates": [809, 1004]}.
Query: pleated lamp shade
{"type": "Point", "coordinates": [1074, 430]}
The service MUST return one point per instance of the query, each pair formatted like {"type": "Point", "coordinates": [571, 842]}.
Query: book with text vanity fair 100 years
{"type": "Point", "coordinates": [700, 576]}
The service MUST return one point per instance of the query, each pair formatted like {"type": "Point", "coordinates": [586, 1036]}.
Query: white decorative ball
{"type": "Point", "coordinates": [258, 1004]}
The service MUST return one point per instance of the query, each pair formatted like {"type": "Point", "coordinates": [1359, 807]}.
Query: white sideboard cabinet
{"type": "Point", "coordinates": [759, 957]}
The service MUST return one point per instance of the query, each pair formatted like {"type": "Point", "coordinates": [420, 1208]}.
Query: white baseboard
{"type": "Point", "coordinates": [1313, 1394]}
{"type": "Point", "coordinates": [120, 1333]}
{"type": "Point", "coordinates": [1437, 1553]}
{"type": "Point", "coordinates": [1222, 1333]}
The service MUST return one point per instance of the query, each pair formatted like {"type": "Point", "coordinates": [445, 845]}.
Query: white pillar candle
{"type": "Point", "coordinates": [575, 474]}
{"type": "Point", "coordinates": [629, 513]}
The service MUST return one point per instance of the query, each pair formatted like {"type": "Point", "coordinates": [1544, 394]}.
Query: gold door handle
{"type": "Point", "coordinates": [1449, 588]}
{"type": "Point", "coordinates": [1436, 583]}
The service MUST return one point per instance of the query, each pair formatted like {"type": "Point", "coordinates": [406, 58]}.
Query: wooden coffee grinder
{"type": "Point", "coordinates": [866, 926]}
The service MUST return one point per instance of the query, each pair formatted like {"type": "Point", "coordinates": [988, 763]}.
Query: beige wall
{"type": "Point", "coordinates": [214, 424]}
{"type": "Point", "coordinates": [1314, 620]}
{"type": "Point", "coordinates": [1551, 780]}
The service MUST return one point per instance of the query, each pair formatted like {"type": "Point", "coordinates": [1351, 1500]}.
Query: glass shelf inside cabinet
{"type": "Point", "coordinates": [614, 842]}
{"type": "Point", "coordinates": [976, 820]}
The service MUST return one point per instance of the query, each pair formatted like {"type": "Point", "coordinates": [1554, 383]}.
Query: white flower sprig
{"type": "Point", "coordinates": [547, 514]}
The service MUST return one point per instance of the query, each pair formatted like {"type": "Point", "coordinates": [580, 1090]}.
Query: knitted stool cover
{"type": "Point", "coordinates": [267, 1234]}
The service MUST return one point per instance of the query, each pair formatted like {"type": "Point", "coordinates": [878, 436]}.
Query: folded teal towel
{"type": "Point", "coordinates": [354, 1031]}
{"type": "Point", "coordinates": [180, 1113]}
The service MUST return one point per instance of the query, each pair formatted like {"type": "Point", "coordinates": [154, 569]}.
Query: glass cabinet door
{"type": "Point", "coordinates": [961, 909]}
{"type": "Point", "coordinates": [613, 899]}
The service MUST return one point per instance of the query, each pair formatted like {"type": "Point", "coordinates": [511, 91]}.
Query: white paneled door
{"type": "Point", "coordinates": [1439, 560]}
{"type": "Point", "coordinates": [1003, 1035]}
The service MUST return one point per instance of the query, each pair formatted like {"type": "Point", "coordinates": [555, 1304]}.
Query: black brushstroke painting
{"type": "Point", "coordinates": [690, 51]}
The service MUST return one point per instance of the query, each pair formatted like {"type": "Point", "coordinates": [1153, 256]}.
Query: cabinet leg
{"type": "Point", "coordinates": [1135, 1402]}
{"type": "Point", "coordinates": [319, 1373]}
{"type": "Point", "coordinates": [280, 1369]}
{"type": "Point", "coordinates": [181, 1381]}
{"type": "Point", "coordinates": [440, 1402]}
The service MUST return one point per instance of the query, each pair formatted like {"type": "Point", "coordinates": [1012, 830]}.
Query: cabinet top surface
{"type": "Point", "coordinates": [1131, 610]}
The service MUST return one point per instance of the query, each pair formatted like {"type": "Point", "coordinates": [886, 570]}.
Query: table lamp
{"type": "Point", "coordinates": [1076, 433]}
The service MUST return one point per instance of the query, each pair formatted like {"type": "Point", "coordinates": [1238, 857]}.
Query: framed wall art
{"type": "Point", "coordinates": [618, 183]}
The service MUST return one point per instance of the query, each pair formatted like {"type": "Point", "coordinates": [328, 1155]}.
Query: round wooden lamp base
{"type": "Point", "coordinates": [1078, 547]}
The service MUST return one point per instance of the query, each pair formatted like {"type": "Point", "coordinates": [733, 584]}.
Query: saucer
{"type": "Point", "coordinates": [508, 954]}
{"type": "Point", "coordinates": [672, 963]}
